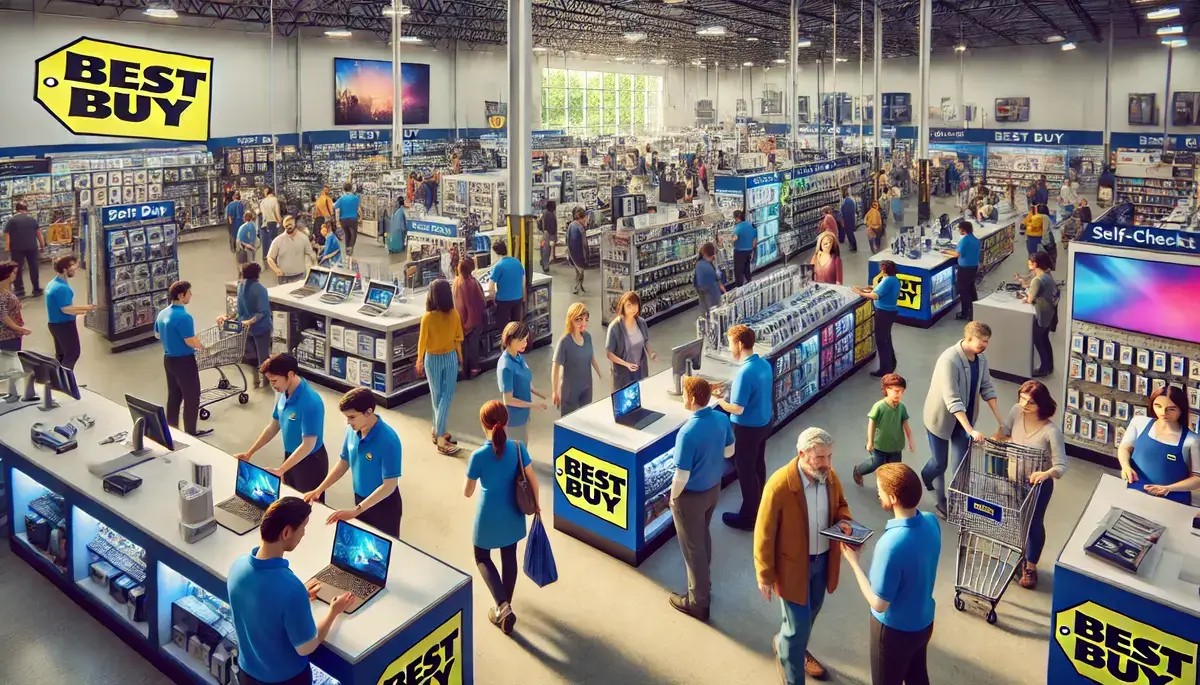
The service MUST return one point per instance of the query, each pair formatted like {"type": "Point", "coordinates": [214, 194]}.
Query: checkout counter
{"type": "Point", "coordinates": [62, 514]}
{"type": "Point", "coordinates": [1115, 626]}
{"type": "Point", "coordinates": [928, 287]}
{"type": "Point", "coordinates": [1010, 355]}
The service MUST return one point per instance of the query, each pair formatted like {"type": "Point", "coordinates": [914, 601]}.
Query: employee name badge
{"type": "Point", "coordinates": [292, 416]}
{"type": "Point", "coordinates": [1172, 457]}
{"type": "Point", "coordinates": [368, 456]}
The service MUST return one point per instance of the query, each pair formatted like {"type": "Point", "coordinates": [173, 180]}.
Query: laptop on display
{"type": "Point", "coordinates": [255, 490]}
{"type": "Point", "coordinates": [378, 299]}
{"type": "Point", "coordinates": [317, 279]}
{"type": "Point", "coordinates": [338, 290]}
{"type": "Point", "coordinates": [358, 565]}
{"type": "Point", "coordinates": [628, 410]}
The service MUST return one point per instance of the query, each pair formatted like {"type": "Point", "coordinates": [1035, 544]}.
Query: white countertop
{"type": "Point", "coordinates": [1005, 300]}
{"type": "Point", "coordinates": [1158, 579]}
{"type": "Point", "coordinates": [416, 581]}
{"type": "Point", "coordinates": [934, 258]}
{"type": "Point", "coordinates": [596, 420]}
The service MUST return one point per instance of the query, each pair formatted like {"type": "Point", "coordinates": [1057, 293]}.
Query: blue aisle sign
{"type": "Point", "coordinates": [148, 211]}
{"type": "Point", "coordinates": [433, 228]}
{"type": "Point", "coordinates": [758, 180]}
{"type": "Point", "coordinates": [1141, 237]}
{"type": "Point", "coordinates": [1142, 140]}
{"type": "Point", "coordinates": [1052, 138]}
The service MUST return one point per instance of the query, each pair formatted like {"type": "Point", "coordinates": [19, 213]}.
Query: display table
{"type": "Point", "coordinates": [1107, 621]}
{"type": "Point", "coordinates": [1010, 354]}
{"type": "Point", "coordinates": [928, 289]}
{"type": "Point", "coordinates": [425, 608]}
{"type": "Point", "coordinates": [340, 348]}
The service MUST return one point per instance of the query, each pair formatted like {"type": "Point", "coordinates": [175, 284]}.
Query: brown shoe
{"type": "Point", "coordinates": [857, 476]}
{"type": "Point", "coordinates": [812, 667]}
{"type": "Point", "coordinates": [683, 604]}
{"type": "Point", "coordinates": [1028, 576]}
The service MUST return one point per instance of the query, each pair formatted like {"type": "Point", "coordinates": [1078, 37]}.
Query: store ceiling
{"type": "Point", "coordinates": [757, 30]}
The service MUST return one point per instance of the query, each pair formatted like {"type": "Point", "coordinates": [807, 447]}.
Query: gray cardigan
{"type": "Point", "coordinates": [949, 392]}
{"type": "Point", "coordinates": [617, 342]}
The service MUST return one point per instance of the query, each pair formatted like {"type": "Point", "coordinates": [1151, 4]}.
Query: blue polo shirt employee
{"type": "Point", "coordinates": [507, 285]}
{"type": "Point", "coordinates": [749, 404]}
{"type": "Point", "coordinates": [371, 452]}
{"type": "Point", "coordinates": [886, 294]}
{"type": "Point", "coordinates": [967, 270]}
{"type": "Point", "coordinates": [271, 607]}
{"type": "Point", "coordinates": [699, 465]}
{"type": "Point", "coordinates": [177, 331]}
{"type": "Point", "coordinates": [346, 209]}
{"type": "Point", "coordinates": [299, 414]}
{"type": "Point", "coordinates": [744, 244]}
{"type": "Point", "coordinates": [61, 311]}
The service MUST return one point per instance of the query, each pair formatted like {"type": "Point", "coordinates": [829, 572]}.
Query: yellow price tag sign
{"type": "Point", "coordinates": [436, 659]}
{"type": "Point", "coordinates": [1112, 649]}
{"type": "Point", "coordinates": [594, 485]}
{"type": "Point", "coordinates": [910, 291]}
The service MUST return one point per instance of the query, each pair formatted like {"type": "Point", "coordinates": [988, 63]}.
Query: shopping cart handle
{"type": "Point", "coordinates": [232, 326]}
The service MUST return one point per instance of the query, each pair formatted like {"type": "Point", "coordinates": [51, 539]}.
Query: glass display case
{"type": "Point", "coordinates": [110, 569]}
{"type": "Point", "coordinates": [40, 520]}
{"type": "Point", "coordinates": [657, 475]}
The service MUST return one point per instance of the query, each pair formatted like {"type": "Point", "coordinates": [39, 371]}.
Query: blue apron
{"type": "Point", "coordinates": [1156, 463]}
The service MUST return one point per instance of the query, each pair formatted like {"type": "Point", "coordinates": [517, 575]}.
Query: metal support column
{"type": "Point", "coordinates": [877, 77]}
{"type": "Point", "coordinates": [862, 95]}
{"type": "Point", "coordinates": [520, 135]}
{"type": "Point", "coordinates": [793, 67]}
{"type": "Point", "coordinates": [1107, 96]}
{"type": "Point", "coordinates": [926, 44]}
{"type": "Point", "coordinates": [1167, 89]}
{"type": "Point", "coordinates": [837, 99]}
{"type": "Point", "coordinates": [397, 90]}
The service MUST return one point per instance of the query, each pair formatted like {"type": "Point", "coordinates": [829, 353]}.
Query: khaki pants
{"type": "Point", "coordinates": [693, 512]}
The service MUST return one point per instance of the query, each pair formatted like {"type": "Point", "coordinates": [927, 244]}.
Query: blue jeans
{"type": "Point", "coordinates": [1032, 244]}
{"type": "Point", "coordinates": [442, 372]}
{"type": "Point", "coordinates": [798, 620]}
{"type": "Point", "coordinates": [1035, 540]}
{"type": "Point", "coordinates": [934, 471]}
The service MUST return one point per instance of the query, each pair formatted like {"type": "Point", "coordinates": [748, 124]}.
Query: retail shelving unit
{"type": "Point", "coordinates": [484, 195]}
{"type": "Point", "coordinates": [758, 195]}
{"type": "Point", "coordinates": [808, 188]}
{"type": "Point", "coordinates": [1152, 186]}
{"type": "Point", "coordinates": [1024, 165]}
{"type": "Point", "coordinates": [126, 562]}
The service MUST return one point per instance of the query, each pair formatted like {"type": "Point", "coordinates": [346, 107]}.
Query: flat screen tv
{"type": "Point", "coordinates": [1154, 298]}
{"type": "Point", "coordinates": [363, 92]}
{"type": "Point", "coordinates": [1012, 109]}
{"type": "Point", "coordinates": [1185, 109]}
{"type": "Point", "coordinates": [1142, 109]}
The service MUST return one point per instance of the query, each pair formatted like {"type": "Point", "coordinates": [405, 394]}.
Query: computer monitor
{"type": "Point", "coordinates": [361, 553]}
{"type": "Point", "coordinates": [317, 278]}
{"type": "Point", "coordinates": [627, 399]}
{"type": "Point", "coordinates": [340, 283]}
{"type": "Point", "coordinates": [380, 294]}
{"type": "Point", "coordinates": [47, 372]}
{"type": "Point", "coordinates": [684, 360]}
{"type": "Point", "coordinates": [149, 421]}
{"type": "Point", "coordinates": [256, 485]}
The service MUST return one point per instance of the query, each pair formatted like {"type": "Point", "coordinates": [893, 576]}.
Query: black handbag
{"type": "Point", "coordinates": [526, 500]}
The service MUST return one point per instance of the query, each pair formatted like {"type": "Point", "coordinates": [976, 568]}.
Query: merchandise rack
{"type": "Point", "coordinates": [806, 189]}
{"type": "Point", "coordinates": [1152, 186]}
{"type": "Point", "coordinates": [1024, 165]}
{"type": "Point", "coordinates": [484, 195]}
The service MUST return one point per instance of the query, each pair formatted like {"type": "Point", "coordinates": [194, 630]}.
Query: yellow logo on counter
{"type": "Point", "coordinates": [1113, 649]}
{"type": "Point", "coordinates": [910, 292]}
{"type": "Point", "coordinates": [594, 485]}
{"type": "Point", "coordinates": [435, 660]}
{"type": "Point", "coordinates": [99, 88]}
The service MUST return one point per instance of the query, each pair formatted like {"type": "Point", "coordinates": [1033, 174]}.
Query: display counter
{"type": "Point", "coordinates": [1010, 355]}
{"type": "Point", "coordinates": [340, 348]}
{"type": "Point", "coordinates": [1111, 625]}
{"type": "Point", "coordinates": [425, 610]}
{"type": "Point", "coordinates": [613, 482]}
{"type": "Point", "coordinates": [928, 288]}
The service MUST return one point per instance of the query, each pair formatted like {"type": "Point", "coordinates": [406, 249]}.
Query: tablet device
{"type": "Point", "coordinates": [858, 534]}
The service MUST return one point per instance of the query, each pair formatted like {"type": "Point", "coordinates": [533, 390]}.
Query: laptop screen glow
{"type": "Point", "coordinates": [256, 485]}
{"type": "Point", "coordinates": [317, 278]}
{"type": "Point", "coordinates": [380, 295]}
{"type": "Point", "coordinates": [627, 399]}
{"type": "Point", "coordinates": [362, 551]}
{"type": "Point", "coordinates": [341, 284]}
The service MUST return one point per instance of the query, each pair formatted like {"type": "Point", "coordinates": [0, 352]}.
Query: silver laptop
{"type": "Point", "coordinates": [378, 299]}
{"type": "Point", "coordinates": [358, 565]}
{"type": "Point", "coordinates": [339, 287]}
{"type": "Point", "coordinates": [255, 490]}
{"type": "Point", "coordinates": [315, 283]}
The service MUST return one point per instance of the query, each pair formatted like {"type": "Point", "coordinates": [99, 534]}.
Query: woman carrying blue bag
{"type": "Point", "coordinates": [499, 467]}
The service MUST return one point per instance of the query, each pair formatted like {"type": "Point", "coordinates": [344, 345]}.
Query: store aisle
{"type": "Point", "coordinates": [603, 622]}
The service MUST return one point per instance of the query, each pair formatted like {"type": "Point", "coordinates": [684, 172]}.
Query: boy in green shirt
{"type": "Point", "coordinates": [887, 428]}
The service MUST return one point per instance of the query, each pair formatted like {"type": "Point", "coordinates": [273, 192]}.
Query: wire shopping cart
{"type": "Point", "coordinates": [991, 501]}
{"type": "Point", "coordinates": [223, 346]}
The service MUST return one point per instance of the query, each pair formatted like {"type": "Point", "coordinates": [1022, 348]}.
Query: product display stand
{"type": "Point", "coordinates": [1010, 355]}
{"type": "Point", "coordinates": [483, 195]}
{"type": "Point", "coordinates": [758, 195]}
{"type": "Point", "coordinates": [132, 260]}
{"type": "Point", "coordinates": [1024, 165]}
{"type": "Point", "coordinates": [1154, 187]}
{"type": "Point", "coordinates": [808, 188]}
{"type": "Point", "coordinates": [124, 560]}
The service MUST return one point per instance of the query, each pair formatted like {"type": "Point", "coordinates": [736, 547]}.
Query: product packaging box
{"type": "Point", "coordinates": [337, 334]}
{"type": "Point", "coordinates": [380, 381]}
{"type": "Point", "coordinates": [381, 349]}
{"type": "Point", "coordinates": [279, 320]}
{"type": "Point", "coordinates": [350, 340]}
{"type": "Point", "coordinates": [352, 369]}
{"type": "Point", "coordinates": [366, 345]}
{"type": "Point", "coordinates": [337, 366]}
{"type": "Point", "coordinates": [366, 372]}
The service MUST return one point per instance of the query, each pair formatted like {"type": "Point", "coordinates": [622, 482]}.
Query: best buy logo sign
{"type": "Point", "coordinates": [594, 485]}
{"type": "Point", "coordinates": [1113, 649]}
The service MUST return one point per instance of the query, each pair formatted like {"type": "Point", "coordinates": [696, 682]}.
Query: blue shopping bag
{"type": "Point", "coordinates": [539, 559]}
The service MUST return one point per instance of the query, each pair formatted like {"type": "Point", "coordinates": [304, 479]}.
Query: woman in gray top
{"type": "Point", "coordinates": [1042, 293]}
{"type": "Point", "coordinates": [1029, 424]}
{"type": "Point", "coordinates": [628, 344]}
{"type": "Point", "coordinates": [574, 361]}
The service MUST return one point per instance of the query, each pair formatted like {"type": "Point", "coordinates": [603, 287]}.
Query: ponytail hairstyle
{"type": "Point", "coordinates": [493, 416]}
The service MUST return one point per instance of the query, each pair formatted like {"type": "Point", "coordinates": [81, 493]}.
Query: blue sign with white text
{"type": "Point", "coordinates": [1141, 237]}
{"type": "Point", "coordinates": [1051, 138]}
{"type": "Point", "coordinates": [1151, 142]}
{"type": "Point", "coordinates": [149, 211]}
{"type": "Point", "coordinates": [434, 228]}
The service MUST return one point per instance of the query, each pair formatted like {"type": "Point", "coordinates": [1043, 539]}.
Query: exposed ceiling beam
{"type": "Point", "coordinates": [1084, 18]}
{"type": "Point", "coordinates": [976, 22]}
{"type": "Point", "coordinates": [1049, 22]}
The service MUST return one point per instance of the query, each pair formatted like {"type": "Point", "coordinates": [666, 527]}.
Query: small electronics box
{"type": "Point", "coordinates": [121, 483]}
{"type": "Point", "coordinates": [102, 573]}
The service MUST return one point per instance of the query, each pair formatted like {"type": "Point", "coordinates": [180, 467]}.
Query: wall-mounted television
{"type": "Point", "coordinates": [1154, 298]}
{"type": "Point", "coordinates": [1142, 109]}
{"type": "Point", "coordinates": [1185, 109]}
{"type": "Point", "coordinates": [897, 108]}
{"type": "Point", "coordinates": [1012, 109]}
{"type": "Point", "coordinates": [363, 92]}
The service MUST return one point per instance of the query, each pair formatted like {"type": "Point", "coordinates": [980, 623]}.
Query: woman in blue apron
{"type": "Point", "coordinates": [1162, 457]}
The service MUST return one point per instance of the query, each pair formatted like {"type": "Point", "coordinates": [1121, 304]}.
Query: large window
{"type": "Point", "coordinates": [593, 103]}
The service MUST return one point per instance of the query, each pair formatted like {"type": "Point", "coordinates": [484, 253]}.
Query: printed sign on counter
{"type": "Point", "coordinates": [594, 485]}
{"type": "Point", "coordinates": [1112, 649]}
{"type": "Point", "coordinates": [436, 660]}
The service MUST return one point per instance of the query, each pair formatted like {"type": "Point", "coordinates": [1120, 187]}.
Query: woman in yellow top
{"type": "Point", "coordinates": [322, 210]}
{"type": "Point", "coordinates": [874, 222]}
{"type": "Point", "coordinates": [439, 354]}
{"type": "Point", "coordinates": [1037, 224]}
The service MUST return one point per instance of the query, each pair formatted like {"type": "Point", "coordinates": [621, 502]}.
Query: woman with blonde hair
{"type": "Point", "coordinates": [628, 342]}
{"type": "Point", "coordinates": [574, 360]}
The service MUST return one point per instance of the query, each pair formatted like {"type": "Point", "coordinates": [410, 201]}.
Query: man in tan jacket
{"type": "Point", "coordinates": [791, 558]}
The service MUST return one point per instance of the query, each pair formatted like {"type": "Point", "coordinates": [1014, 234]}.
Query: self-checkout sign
{"type": "Point", "coordinates": [910, 292]}
{"type": "Point", "coordinates": [594, 485]}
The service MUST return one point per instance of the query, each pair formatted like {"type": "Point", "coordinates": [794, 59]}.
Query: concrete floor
{"type": "Point", "coordinates": [603, 622]}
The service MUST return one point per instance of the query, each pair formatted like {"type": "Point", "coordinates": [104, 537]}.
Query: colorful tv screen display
{"type": "Point", "coordinates": [363, 92]}
{"type": "Point", "coordinates": [1155, 298]}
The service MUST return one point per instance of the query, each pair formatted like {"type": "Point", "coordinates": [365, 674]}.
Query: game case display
{"type": "Point", "coordinates": [1124, 539]}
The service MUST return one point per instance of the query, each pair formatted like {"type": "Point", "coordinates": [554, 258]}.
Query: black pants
{"type": "Point", "coordinates": [384, 515]}
{"type": "Point", "coordinates": [233, 229]}
{"type": "Point", "coordinates": [965, 275]}
{"type": "Point", "coordinates": [66, 343]}
{"type": "Point", "coordinates": [507, 311]}
{"type": "Point", "coordinates": [898, 656]}
{"type": "Point", "coordinates": [750, 460]}
{"type": "Point", "coordinates": [350, 227]}
{"type": "Point", "coordinates": [500, 584]}
{"type": "Point", "coordinates": [309, 473]}
{"type": "Point", "coordinates": [11, 344]}
{"type": "Point", "coordinates": [1041, 345]}
{"type": "Point", "coordinates": [26, 260]}
{"type": "Point", "coordinates": [471, 349]}
{"type": "Point", "coordinates": [741, 266]}
{"type": "Point", "coordinates": [1035, 540]}
{"type": "Point", "coordinates": [302, 678]}
{"type": "Point", "coordinates": [183, 388]}
{"type": "Point", "coordinates": [884, 320]}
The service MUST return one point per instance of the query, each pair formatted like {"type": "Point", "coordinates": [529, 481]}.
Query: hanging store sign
{"type": "Point", "coordinates": [1051, 138]}
{"type": "Point", "coordinates": [1142, 238]}
{"type": "Point", "coordinates": [1152, 142]}
{"type": "Point", "coordinates": [496, 113]}
{"type": "Point", "coordinates": [24, 167]}
{"type": "Point", "coordinates": [95, 87]}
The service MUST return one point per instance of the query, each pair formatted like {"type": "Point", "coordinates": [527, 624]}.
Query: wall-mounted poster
{"type": "Point", "coordinates": [1012, 109]}
{"type": "Point", "coordinates": [897, 108]}
{"type": "Point", "coordinates": [363, 92]}
{"type": "Point", "coordinates": [1185, 109]}
{"type": "Point", "coordinates": [1142, 110]}
{"type": "Point", "coordinates": [802, 115]}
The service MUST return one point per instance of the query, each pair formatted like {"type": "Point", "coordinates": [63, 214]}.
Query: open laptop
{"type": "Point", "coordinates": [255, 490]}
{"type": "Point", "coordinates": [339, 287]}
{"type": "Point", "coordinates": [378, 299]}
{"type": "Point", "coordinates": [317, 279]}
{"type": "Point", "coordinates": [358, 565]}
{"type": "Point", "coordinates": [627, 408]}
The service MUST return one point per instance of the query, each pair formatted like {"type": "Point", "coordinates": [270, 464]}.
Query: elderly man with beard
{"type": "Point", "coordinates": [791, 558]}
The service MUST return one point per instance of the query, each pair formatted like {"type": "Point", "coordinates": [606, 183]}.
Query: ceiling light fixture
{"type": "Point", "coordinates": [1164, 13]}
{"type": "Point", "coordinates": [343, 33]}
{"type": "Point", "coordinates": [390, 11]}
{"type": "Point", "coordinates": [634, 36]}
{"type": "Point", "coordinates": [711, 31]}
{"type": "Point", "coordinates": [410, 39]}
{"type": "Point", "coordinates": [673, 2]}
{"type": "Point", "coordinates": [540, 48]}
{"type": "Point", "coordinates": [747, 64]}
{"type": "Point", "coordinates": [1175, 42]}
{"type": "Point", "coordinates": [751, 39]}
{"type": "Point", "coordinates": [620, 58]}
{"type": "Point", "coordinates": [960, 48]}
{"type": "Point", "coordinates": [1067, 46]}
{"type": "Point", "coordinates": [803, 43]}
{"type": "Point", "coordinates": [780, 61]}
{"type": "Point", "coordinates": [1170, 31]}
{"type": "Point", "coordinates": [1055, 39]}
{"type": "Point", "coordinates": [164, 12]}
{"type": "Point", "coordinates": [658, 60]}
{"type": "Point", "coordinates": [842, 59]}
